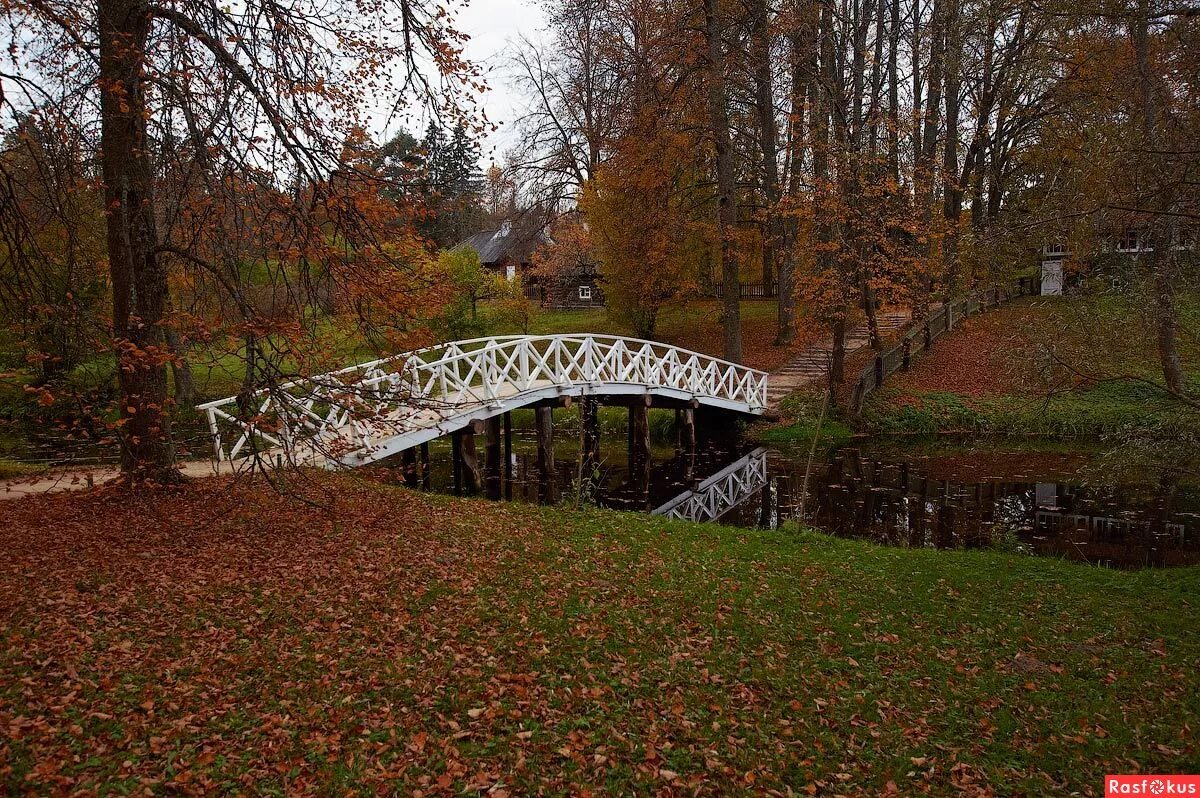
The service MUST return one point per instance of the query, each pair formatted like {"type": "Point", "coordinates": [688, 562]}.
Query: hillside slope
{"type": "Point", "coordinates": [1043, 365]}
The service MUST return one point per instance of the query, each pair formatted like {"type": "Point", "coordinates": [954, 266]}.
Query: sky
{"type": "Point", "coordinates": [492, 25]}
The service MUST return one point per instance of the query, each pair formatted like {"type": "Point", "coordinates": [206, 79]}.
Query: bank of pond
{"type": "Point", "coordinates": [1075, 500]}
{"type": "Point", "coordinates": [1078, 499]}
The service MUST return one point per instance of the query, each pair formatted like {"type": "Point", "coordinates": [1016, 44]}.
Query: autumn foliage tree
{"type": "Point", "coordinates": [644, 227]}
{"type": "Point", "coordinates": [248, 110]}
{"type": "Point", "coordinates": [853, 153]}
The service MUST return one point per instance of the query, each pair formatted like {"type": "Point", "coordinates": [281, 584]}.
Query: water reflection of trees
{"type": "Point", "coordinates": [898, 503]}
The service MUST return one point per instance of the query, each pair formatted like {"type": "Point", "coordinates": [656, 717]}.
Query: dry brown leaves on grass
{"type": "Point", "coordinates": [152, 621]}
{"type": "Point", "coordinates": [977, 359]}
{"type": "Point", "coordinates": [225, 639]}
{"type": "Point", "coordinates": [700, 330]}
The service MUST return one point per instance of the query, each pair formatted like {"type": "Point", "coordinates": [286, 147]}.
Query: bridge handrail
{"type": "Point", "coordinates": [492, 343]}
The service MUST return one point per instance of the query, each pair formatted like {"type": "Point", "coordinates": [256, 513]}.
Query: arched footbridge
{"type": "Point", "coordinates": [370, 411]}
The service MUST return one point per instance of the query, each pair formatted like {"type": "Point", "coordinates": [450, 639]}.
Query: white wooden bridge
{"type": "Point", "coordinates": [370, 411]}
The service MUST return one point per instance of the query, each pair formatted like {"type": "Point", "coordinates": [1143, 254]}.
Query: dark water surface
{"type": "Point", "coordinates": [1070, 504]}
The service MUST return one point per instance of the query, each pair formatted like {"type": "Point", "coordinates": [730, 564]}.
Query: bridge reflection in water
{"type": "Point", "coordinates": [729, 488]}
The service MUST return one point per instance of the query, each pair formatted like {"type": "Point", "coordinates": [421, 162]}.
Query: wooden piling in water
{"type": "Point", "coordinates": [639, 433]}
{"type": "Point", "coordinates": [543, 423]}
{"type": "Point", "coordinates": [456, 461]}
{"type": "Point", "coordinates": [408, 467]}
{"type": "Point", "coordinates": [687, 430]}
{"type": "Point", "coordinates": [508, 456]}
{"type": "Point", "coordinates": [493, 474]}
{"type": "Point", "coordinates": [425, 475]}
{"type": "Point", "coordinates": [471, 472]}
{"type": "Point", "coordinates": [590, 423]}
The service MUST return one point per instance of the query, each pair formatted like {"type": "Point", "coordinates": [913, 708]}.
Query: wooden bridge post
{"type": "Point", "coordinates": [492, 454]}
{"type": "Point", "coordinates": [408, 467]}
{"type": "Point", "coordinates": [687, 430]}
{"type": "Point", "coordinates": [425, 475]}
{"type": "Point", "coordinates": [906, 356]}
{"type": "Point", "coordinates": [508, 456]}
{"type": "Point", "coordinates": [543, 423]}
{"type": "Point", "coordinates": [590, 422]}
{"type": "Point", "coordinates": [472, 473]}
{"type": "Point", "coordinates": [639, 433]}
{"type": "Point", "coordinates": [456, 460]}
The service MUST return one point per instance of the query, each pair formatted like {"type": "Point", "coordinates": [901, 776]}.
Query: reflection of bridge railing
{"type": "Point", "coordinates": [721, 492]}
{"type": "Point", "coordinates": [372, 410]}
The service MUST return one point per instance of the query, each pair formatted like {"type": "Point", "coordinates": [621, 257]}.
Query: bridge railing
{"type": "Point", "coordinates": [350, 409]}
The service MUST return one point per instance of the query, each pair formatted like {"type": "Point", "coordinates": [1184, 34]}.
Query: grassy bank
{"type": "Point", "coordinates": [225, 639]}
{"type": "Point", "coordinates": [803, 415]}
{"type": "Point", "coordinates": [1075, 366]}
{"type": "Point", "coordinates": [1107, 409]}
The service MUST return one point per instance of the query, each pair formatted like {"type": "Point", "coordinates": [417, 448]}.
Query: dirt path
{"type": "Point", "coordinates": [812, 364]}
{"type": "Point", "coordinates": [84, 478]}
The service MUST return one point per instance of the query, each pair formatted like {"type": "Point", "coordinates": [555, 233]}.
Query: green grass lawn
{"type": "Point", "coordinates": [225, 639]}
{"type": "Point", "coordinates": [1107, 409]}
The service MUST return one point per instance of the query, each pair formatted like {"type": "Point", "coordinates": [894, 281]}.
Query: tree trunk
{"type": "Point", "coordinates": [1162, 238]}
{"type": "Point", "coordinates": [718, 119]}
{"type": "Point", "coordinates": [893, 72]}
{"type": "Point", "coordinates": [1167, 325]}
{"type": "Point", "coordinates": [868, 295]}
{"type": "Point", "coordinates": [764, 98]}
{"type": "Point", "coordinates": [139, 279]}
{"type": "Point", "coordinates": [924, 167]}
{"type": "Point", "coordinates": [837, 358]}
{"type": "Point", "coordinates": [825, 98]}
{"type": "Point", "coordinates": [916, 77]}
{"type": "Point", "coordinates": [181, 369]}
{"type": "Point", "coordinates": [951, 188]}
{"type": "Point", "coordinates": [803, 71]}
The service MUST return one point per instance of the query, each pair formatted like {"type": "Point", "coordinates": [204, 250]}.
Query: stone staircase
{"type": "Point", "coordinates": [812, 364]}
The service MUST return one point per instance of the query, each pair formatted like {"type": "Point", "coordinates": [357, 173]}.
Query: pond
{"type": "Point", "coordinates": [1071, 504]}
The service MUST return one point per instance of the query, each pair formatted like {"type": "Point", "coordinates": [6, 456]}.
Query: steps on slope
{"type": "Point", "coordinates": [812, 363]}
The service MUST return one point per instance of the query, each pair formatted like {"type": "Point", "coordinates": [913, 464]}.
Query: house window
{"type": "Point", "coordinates": [1128, 242]}
{"type": "Point", "coordinates": [585, 293]}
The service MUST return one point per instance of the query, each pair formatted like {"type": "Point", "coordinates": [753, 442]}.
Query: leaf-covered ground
{"type": "Point", "coordinates": [1047, 366]}
{"type": "Point", "coordinates": [223, 638]}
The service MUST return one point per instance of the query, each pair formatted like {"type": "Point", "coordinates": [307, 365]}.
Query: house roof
{"type": "Point", "coordinates": [508, 243]}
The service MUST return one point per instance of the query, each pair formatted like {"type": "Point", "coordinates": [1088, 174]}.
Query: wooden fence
{"type": "Point", "coordinates": [746, 290]}
{"type": "Point", "coordinates": [921, 337]}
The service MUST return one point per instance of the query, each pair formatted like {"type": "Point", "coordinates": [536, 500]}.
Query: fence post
{"type": "Point", "coordinates": [928, 335]}
{"type": "Point", "coordinates": [949, 316]}
{"type": "Point", "coordinates": [878, 370]}
{"type": "Point", "coordinates": [906, 358]}
{"type": "Point", "coordinates": [856, 400]}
